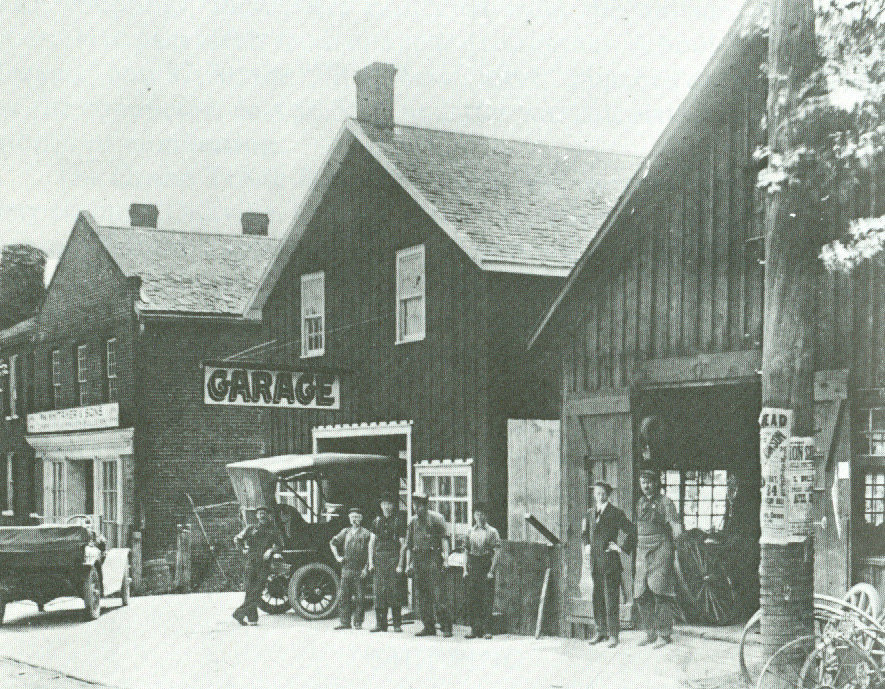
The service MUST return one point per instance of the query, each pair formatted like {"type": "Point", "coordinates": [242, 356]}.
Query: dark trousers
{"type": "Point", "coordinates": [387, 595]}
{"type": "Point", "coordinates": [656, 613]}
{"type": "Point", "coordinates": [256, 576]}
{"type": "Point", "coordinates": [428, 573]}
{"type": "Point", "coordinates": [480, 593]}
{"type": "Point", "coordinates": [352, 603]}
{"type": "Point", "coordinates": [607, 602]}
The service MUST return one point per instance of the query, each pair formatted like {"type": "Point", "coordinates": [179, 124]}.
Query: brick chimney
{"type": "Point", "coordinates": [374, 94]}
{"type": "Point", "coordinates": [143, 215]}
{"type": "Point", "coordinates": [255, 223]}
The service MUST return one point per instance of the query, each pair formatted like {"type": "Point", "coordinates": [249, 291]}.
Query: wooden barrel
{"type": "Point", "coordinates": [156, 576]}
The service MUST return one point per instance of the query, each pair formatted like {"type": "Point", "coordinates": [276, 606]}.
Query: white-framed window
{"type": "Point", "coordinates": [113, 382]}
{"type": "Point", "coordinates": [13, 386]}
{"type": "Point", "coordinates": [410, 294]}
{"type": "Point", "coordinates": [872, 448]}
{"type": "Point", "coordinates": [56, 379]}
{"type": "Point", "coordinates": [450, 489]}
{"type": "Point", "coordinates": [10, 482]}
{"type": "Point", "coordinates": [82, 367]}
{"type": "Point", "coordinates": [700, 496]}
{"type": "Point", "coordinates": [110, 490]}
{"type": "Point", "coordinates": [59, 490]}
{"type": "Point", "coordinates": [313, 314]}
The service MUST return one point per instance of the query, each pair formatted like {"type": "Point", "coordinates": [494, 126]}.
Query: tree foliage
{"type": "Point", "coordinates": [837, 132]}
{"type": "Point", "coordinates": [21, 282]}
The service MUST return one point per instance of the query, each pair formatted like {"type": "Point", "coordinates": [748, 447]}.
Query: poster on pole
{"type": "Point", "coordinates": [775, 429]}
{"type": "Point", "coordinates": [799, 473]}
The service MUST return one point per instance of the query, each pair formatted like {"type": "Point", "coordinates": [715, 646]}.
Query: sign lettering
{"type": "Point", "coordinates": [247, 386]}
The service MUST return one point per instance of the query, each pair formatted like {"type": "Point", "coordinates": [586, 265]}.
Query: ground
{"type": "Point", "coordinates": [191, 642]}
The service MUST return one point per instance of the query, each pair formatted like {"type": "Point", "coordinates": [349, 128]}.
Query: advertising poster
{"type": "Point", "coordinates": [799, 474]}
{"type": "Point", "coordinates": [775, 428]}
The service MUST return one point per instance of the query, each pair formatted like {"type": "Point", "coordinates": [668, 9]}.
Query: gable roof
{"type": "Point", "coordinates": [189, 272]}
{"type": "Point", "coordinates": [752, 14]}
{"type": "Point", "coordinates": [512, 206]}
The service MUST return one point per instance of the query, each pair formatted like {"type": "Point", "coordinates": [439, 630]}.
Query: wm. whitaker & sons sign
{"type": "Point", "coordinates": [251, 386]}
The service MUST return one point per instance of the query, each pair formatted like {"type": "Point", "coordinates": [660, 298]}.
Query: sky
{"type": "Point", "coordinates": [211, 109]}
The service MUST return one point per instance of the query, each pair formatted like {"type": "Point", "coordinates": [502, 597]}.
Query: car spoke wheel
{"type": "Point", "coordinates": [92, 594]}
{"type": "Point", "coordinates": [274, 596]}
{"type": "Point", "coordinates": [314, 590]}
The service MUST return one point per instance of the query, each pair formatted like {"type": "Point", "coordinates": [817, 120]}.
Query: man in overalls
{"type": "Point", "coordinates": [351, 548]}
{"type": "Point", "coordinates": [259, 542]}
{"type": "Point", "coordinates": [483, 548]}
{"type": "Point", "coordinates": [654, 588]}
{"type": "Point", "coordinates": [384, 549]}
{"type": "Point", "coordinates": [427, 540]}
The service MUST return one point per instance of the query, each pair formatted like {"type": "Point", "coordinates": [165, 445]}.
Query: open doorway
{"type": "Point", "coordinates": [704, 440]}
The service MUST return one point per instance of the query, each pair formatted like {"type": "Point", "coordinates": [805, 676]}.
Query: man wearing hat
{"type": "Point", "coordinates": [384, 549]}
{"type": "Point", "coordinates": [427, 541]}
{"type": "Point", "coordinates": [351, 548]}
{"type": "Point", "coordinates": [610, 534]}
{"type": "Point", "coordinates": [654, 588]}
{"type": "Point", "coordinates": [259, 542]}
{"type": "Point", "coordinates": [483, 548]}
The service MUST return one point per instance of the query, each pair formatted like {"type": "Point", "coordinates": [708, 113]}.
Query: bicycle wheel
{"type": "Point", "coordinates": [784, 669]}
{"type": "Point", "coordinates": [839, 663]}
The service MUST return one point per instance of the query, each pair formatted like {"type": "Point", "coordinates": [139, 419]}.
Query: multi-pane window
{"type": "Point", "coordinates": [313, 314]}
{"type": "Point", "coordinates": [82, 379]}
{"type": "Point", "coordinates": [449, 488]}
{"type": "Point", "coordinates": [13, 386]}
{"type": "Point", "coordinates": [110, 490]}
{"type": "Point", "coordinates": [56, 378]}
{"type": "Point", "coordinates": [303, 498]}
{"type": "Point", "coordinates": [872, 447]}
{"type": "Point", "coordinates": [410, 294]}
{"type": "Point", "coordinates": [59, 492]}
{"type": "Point", "coordinates": [700, 496]}
{"type": "Point", "coordinates": [29, 383]}
{"type": "Point", "coordinates": [113, 384]}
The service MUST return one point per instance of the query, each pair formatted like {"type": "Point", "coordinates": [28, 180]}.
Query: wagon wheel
{"type": "Point", "coordinates": [838, 663]}
{"type": "Point", "coordinates": [705, 583]}
{"type": "Point", "coordinates": [274, 598]}
{"type": "Point", "coordinates": [865, 597]}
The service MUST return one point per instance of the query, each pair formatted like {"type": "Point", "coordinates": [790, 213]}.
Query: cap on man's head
{"type": "Point", "coordinates": [480, 505]}
{"type": "Point", "coordinates": [650, 473]}
{"type": "Point", "coordinates": [387, 497]}
{"type": "Point", "coordinates": [605, 486]}
{"type": "Point", "coordinates": [355, 510]}
{"type": "Point", "coordinates": [262, 508]}
{"type": "Point", "coordinates": [420, 497]}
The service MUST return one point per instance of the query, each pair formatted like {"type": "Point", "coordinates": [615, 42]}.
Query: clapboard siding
{"type": "Point", "coordinates": [679, 273]}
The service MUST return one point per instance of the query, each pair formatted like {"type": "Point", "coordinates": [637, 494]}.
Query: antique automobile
{"type": "Point", "coordinates": [42, 563]}
{"type": "Point", "coordinates": [309, 495]}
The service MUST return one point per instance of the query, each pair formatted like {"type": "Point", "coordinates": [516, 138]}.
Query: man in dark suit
{"type": "Point", "coordinates": [610, 534]}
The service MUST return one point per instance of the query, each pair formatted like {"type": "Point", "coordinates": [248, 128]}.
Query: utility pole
{"type": "Point", "coordinates": [792, 244]}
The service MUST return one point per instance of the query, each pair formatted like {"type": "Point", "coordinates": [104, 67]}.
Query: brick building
{"type": "Point", "coordinates": [115, 411]}
{"type": "Point", "coordinates": [416, 269]}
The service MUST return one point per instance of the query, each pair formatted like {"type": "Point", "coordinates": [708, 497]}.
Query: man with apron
{"type": "Point", "coordinates": [259, 542]}
{"type": "Point", "coordinates": [384, 549]}
{"type": "Point", "coordinates": [427, 540]}
{"type": "Point", "coordinates": [483, 547]}
{"type": "Point", "coordinates": [654, 588]}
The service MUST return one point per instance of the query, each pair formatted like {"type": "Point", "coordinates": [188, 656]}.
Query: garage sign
{"type": "Point", "coordinates": [249, 386]}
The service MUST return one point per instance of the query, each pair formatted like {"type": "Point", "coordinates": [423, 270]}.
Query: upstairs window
{"type": "Point", "coordinates": [313, 314]}
{"type": "Point", "coordinates": [10, 482]}
{"type": "Point", "coordinates": [82, 365]}
{"type": "Point", "coordinates": [29, 383]}
{"type": "Point", "coordinates": [410, 294]}
{"type": "Point", "coordinates": [13, 386]}
{"type": "Point", "coordinates": [55, 363]}
{"type": "Point", "coordinates": [113, 384]}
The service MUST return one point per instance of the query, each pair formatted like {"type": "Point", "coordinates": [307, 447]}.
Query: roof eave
{"type": "Point", "coordinates": [634, 183]}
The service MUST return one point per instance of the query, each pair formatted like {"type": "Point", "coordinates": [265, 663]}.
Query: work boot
{"type": "Point", "coordinates": [663, 641]}
{"type": "Point", "coordinates": [648, 640]}
{"type": "Point", "coordinates": [240, 617]}
{"type": "Point", "coordinates": [613, 643]}
{"type": "Point", "coordinates": [426, 632]}
{"type": "Point", "coordinates": [378, 629]}
{"type": "Point", "coordinates": [398, 629]}
{"type": "Point", "coordinates": [447, 633]}
{"type": "Point", "coordinates": [342, 626]}
{"type": "Point", "coordinates": [598, 637]}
